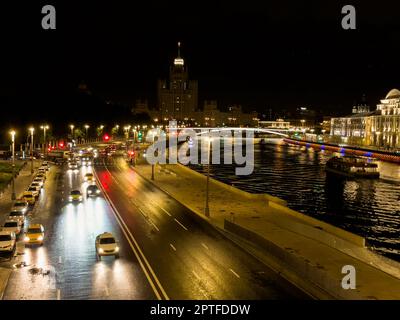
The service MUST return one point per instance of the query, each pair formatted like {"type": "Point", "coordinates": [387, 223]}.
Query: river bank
{"type": "Point", "coordinates": [309, 252]}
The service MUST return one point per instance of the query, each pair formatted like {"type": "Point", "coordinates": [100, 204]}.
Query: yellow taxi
{"type": "Point", "coordinates": [89, 177]}
{"type": "Point", "coordinates": [29, 197]}
{"type": "Point", "coordinates": [34, 234]}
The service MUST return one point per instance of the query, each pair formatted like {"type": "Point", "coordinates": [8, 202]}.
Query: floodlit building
{"type": "Point", "coordinates": [379, 128]}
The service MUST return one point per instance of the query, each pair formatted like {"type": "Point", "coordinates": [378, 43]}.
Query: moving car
{"type": "Point", "coordinates": [17, 215]}
{"type": "Point", "coordinates": [34, 234]}
{"type": "Point", "coordinates": [20, 205]}
{"type": "Point", "coordinates": [75, 195]}
{"type": "Point", "coordinates": [8, 241]}
{"type": "Point", "coordinates": [13, 226]}
{"type": "Point", "coordinates": [42, 170]}
{"type": "Point", "coordinates": [73, 165]}
{"type": "Point", "coordinates": [29, 197]}
{"type": "Point", "coordinates": [92, 191]}
{"type": "Point", "coordinates": [89, 177]}
{"type": "Point", "coordinates": [106, 245]}
{"type": "Point", "coordinates": [41, 176]}
{"type": "Point", "coordinates": [34, 190]}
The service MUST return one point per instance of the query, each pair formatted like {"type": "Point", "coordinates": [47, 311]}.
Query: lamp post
{"type": "Point", "coordinates": [32, 131]}
{"type": "Point", "coordinates": [44, 128]}
{"type": "Point", "coordinates": [87, 128]}
{"type": "Point", "coordinates": [207, 208]}
{"type": "Point", "coordinates": [152, 166]}
{"type": "Point", "coordinates": [13, 197]}
{"type": "Point", "coordinates": [72, 131]}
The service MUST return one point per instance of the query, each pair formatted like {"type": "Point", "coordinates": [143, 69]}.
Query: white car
{"type": "Point", "coordinates": [17, 215]}
{"type": "Point", "coordinates": [42, 170]}
{"type": "Point", "coordinates": [7, 241]}
{"type": "Point", "coordinates": [41, 176]}
{"type": "Point", "coordinates": [46, 165]}
{"type": "Point", "coordinates": [20, 205]}
{"type": "Point", "coordinates": [34, 190]}
{"type": "Point", "coordinates": [13, 226]}
{"type": "Point", "coordinates": [106, 245]}
{"type": "Point", "coordinates": [36, 185]}
{"type": "Point", "coordinates": [40, 181]}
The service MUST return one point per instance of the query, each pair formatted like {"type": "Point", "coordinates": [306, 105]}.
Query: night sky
{"type": "Point", "coordinates": [260, 54]}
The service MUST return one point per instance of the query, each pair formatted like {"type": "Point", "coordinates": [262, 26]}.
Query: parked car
{"type": "Point", "coordinates": [20, 205]}
{"type": "Point", "coordinates": [17, 215]}
{"type": "Point", "coordinates": [36, 185]}
{"type": "Point", "coordinates": [13, 226]}
{"type": "Point", "coordinates": [29, 197]}
{"type": "Point", "coordinates": [8, 241]}
{"type": "Point", "coordinates": [34, 190]}
{"type": "Point", "coordinates": [40, 181]}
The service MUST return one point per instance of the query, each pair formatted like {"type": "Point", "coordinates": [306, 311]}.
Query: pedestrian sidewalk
{"type": "Point", "coordinates": [22, 181]}
{"type": "Point", "coordinates": [314, 251]}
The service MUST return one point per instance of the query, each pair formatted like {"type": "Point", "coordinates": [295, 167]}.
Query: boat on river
{"type": "Point", "coordinates": [352, 167]}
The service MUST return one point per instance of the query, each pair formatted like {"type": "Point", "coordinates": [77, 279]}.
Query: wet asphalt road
{"type": "Point", "coordinates": [191, 261]}
{"type": "Point", "coordinates": [69, 250]}
{"type": "Point", "coordinates": [165, 254]}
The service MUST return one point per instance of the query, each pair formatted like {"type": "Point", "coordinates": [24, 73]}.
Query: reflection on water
{"type": "Point", "coordinates": [370, 208]}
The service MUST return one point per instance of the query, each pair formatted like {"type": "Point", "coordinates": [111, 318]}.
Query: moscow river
{"type": "Point", "coordinates": [370, 208]}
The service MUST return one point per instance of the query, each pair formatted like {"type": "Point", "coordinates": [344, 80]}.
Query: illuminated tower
{"type": "Point", "coordinates": [177, 96]}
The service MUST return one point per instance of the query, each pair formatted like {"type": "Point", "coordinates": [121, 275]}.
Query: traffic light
{"type": "Point", "coordinates": [61, 144]}
{"type": "Point", "coordinates": [106, 137]}
{"type": "Point", "coordinates": [140, 136]}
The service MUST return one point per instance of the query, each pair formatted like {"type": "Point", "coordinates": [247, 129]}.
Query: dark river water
{"type": "Point", "coordinates": [370, 208]}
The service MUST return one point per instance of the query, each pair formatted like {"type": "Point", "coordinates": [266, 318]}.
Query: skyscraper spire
{"type": "Point", "coordinates": [178, 60]}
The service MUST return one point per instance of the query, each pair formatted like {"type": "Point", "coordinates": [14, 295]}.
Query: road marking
{"type": "Point", "coordinates": [231, 270]}
{"type": "Point", "coordinates": [107, 292]}
{"type": "Point", "coordinates": [58, 294]}
{"type": "Point", "coordinates": [172, 246]}
{"type": "Point", "coordinates": [181, 224]}
{"type": "Point", "coordinates": [135, 246]}
{"type": "Point", "coordinates": [59, 259]}
{"type": "Point", "coordinates": [196, 275]}
{"type": "Point", "coordinates": [154, 225]}
{"type": "Point", "coordinates": [204, 246]}
{"type": "Point", "coordinates": [163, 210]}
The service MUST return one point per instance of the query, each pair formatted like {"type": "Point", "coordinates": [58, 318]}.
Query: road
{"type": "Point", "coordinates": [68, 252]}
{"type": "Point", "coordinates": [190, 261]}
{"type": "Point", "coordinates": [164, 253]}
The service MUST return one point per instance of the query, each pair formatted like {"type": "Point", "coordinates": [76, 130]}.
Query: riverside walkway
{"type": "Point", "coordinates": [308, 252]}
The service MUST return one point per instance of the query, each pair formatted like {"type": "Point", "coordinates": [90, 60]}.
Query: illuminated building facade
{"type": "Point", "coordinates": [380, 128]}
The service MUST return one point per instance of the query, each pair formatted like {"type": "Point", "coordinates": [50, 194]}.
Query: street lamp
{"type": "Point", "coordinates": [72, 131]}
{"type": "Point", "coordinates": [207, 208]}
{"type": "Point", "coordinates": [44, 128]}
{"type": "Point", "coordinates": [152, 166]}
{"type": "Point", "coordinates": [13, 197]}
{"type": "Point", "coordinates": [87, 128]}
{"type": "Point", "coordinates": [32, 131]}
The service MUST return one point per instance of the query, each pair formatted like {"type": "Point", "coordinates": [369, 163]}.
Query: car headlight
{"type": "Point", "coordinates": [40, 238]}
{"type": "Point", "coordinates": [116, 249]}
{"type": "Point", "coordinates": [26, 239]}
{"type": "Point", "coordinates": [101, 250]}
{"type": "Point", "coordinates": [80, 198]}
{"type": "Point", "coordinates": [89, 192]}
{"type": "Point", "coordinates": [70, 198]}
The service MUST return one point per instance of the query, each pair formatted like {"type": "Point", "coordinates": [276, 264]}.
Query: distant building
{"type": "Point", "coordinates": [278, 124]}
{"type": "Point", "coordinates": [379, 128]}
{"type": "Point", "coordinates": [177, 96]}
{"type": "Point", "coordinates": [177, 99]}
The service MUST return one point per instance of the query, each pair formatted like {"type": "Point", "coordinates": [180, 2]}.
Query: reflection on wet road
{"type": "Point", "coordinates": [65, 267]}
